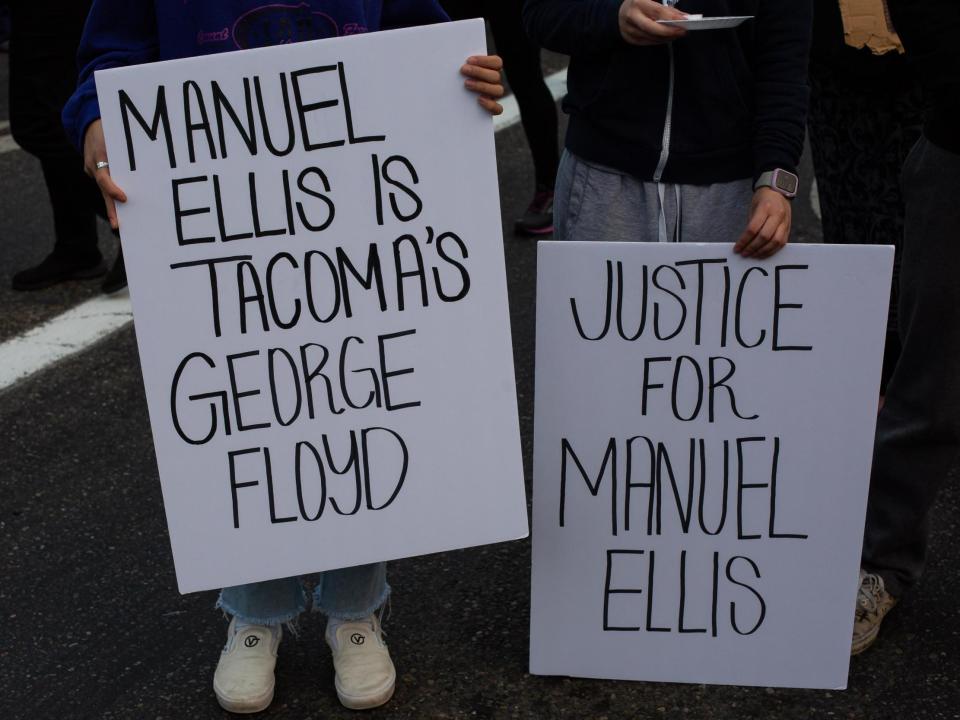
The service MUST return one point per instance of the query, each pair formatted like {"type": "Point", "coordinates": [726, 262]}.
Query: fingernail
{"type": "Point", "coordinates": [470, 84]}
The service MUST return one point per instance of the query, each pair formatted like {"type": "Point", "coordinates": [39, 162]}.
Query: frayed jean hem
{"type": "Point", "coordinates": [318, 605]}
{"type": "Point", "coordinates": [287, 618]}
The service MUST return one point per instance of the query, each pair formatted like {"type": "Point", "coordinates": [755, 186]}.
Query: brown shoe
{"type": "Point", "coordinates": [873, 604]}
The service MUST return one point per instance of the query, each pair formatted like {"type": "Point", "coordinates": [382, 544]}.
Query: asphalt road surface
{"type": "Point", "coordinates": [92, 626]}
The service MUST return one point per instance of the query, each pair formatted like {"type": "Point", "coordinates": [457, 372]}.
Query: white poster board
{"type": "Point", "coordinates": [760, 379]}
{"type": "Point", "coordinates": [316, 268]}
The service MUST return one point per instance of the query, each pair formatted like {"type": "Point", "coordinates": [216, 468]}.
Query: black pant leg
{"type": "Point", "coordinates": [43, 75]}
{"type": "Point", "coordinates": [521, 62]}
{"type": "Point", "coordinates": [72, 194]}
{"type": "Point", "coordinates": [918, 431]}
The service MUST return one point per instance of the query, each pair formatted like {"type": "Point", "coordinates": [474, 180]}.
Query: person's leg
{"type": "Point", "coordinates": [75, 254]}
{"type": "Point", "coordinates": [272, 602]}
{"type": "Point", "coordinates": [364, 673]}
{"type": "Point", "coordinates": [74, 200]}
{"type": "Point", "coordinates": [244, 680]}
{"type": "Point", "coordinates": [352, 593]}
{"type": "Point", "coordinates": [74, 221]}
{"type": "Point", "coordinates": [521, 64]}
{"type": "Point", "coordinates": [42, 76]}
{"type": "Point", "coordinates": [597, 203]}
{"type": "Point", "coordinates": [710, 213]}
{"type": "Point", "coordinates": [918, 429]}
{"type": "Point", "coordinates": [538, 113]}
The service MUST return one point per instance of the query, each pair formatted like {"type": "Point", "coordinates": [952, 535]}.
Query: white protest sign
{"type": "Point", "coordinates": [704, 433]}
{"type": "Point", "coordinates": [316, 269]}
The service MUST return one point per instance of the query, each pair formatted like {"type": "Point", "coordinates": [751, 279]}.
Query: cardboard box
{"type": "Point", "coordinates": [866, 23]}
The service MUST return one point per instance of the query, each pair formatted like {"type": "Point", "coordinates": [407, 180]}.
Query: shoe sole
{"type": "Point", "coordinates": [865, 642]}
{"type": "Point", "coordinates": [534, 231]}
{"type": "Point", "coordinates": [366, 702]}
{"type": "Point", "coordinates": [245, 707]}
{"type": "Point", "coordinates": [89, 274]}
{"type": "Point", "coordinates": [112, 289]}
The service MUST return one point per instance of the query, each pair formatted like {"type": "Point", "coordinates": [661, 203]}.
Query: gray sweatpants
{"type": "Point", "coordinates": [592, 202]}
{"type": "Point", "coordinates": [918, 430]}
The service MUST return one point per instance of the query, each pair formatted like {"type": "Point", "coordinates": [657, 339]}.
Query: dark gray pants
{"type": "Point", "coordinates": [597, 203]}
{"type": "Point", "coordinates": [918, 430]}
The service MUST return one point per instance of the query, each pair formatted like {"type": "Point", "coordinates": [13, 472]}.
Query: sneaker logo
{"type": "Point", "coordinates": [358, 639]}
{"type": "Point", "coordinates": [251, 641]}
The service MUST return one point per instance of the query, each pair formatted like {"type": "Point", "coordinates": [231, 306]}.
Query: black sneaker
{"type": "Point", "coordinates": [116, 279]}
{"type": "Point", "coordinates": [538, 219]}
{"type": "Point", "coordinates": [57, 269]}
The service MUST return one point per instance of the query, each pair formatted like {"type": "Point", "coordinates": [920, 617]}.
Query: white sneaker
{"type": "Point", "coordinates": [244, 679]}
{"type": "Point", "coordinates": [365, 676]}
{"type": "Point", "coordinates": [873, 604]}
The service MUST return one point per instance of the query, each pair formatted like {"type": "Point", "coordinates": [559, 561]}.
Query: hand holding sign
{"type": "Point", "coordinates": [94, 157]}
{"type": "Point", "coordinates": [483, 78]}
{"type": "Point", "coordinates": [769, 228]}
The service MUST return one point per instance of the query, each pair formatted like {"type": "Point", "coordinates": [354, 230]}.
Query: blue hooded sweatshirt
{"type": "Point", "coordinates": [129, 32]}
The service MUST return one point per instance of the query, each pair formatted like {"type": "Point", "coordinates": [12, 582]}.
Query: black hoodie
{"type": "Point", "coordinates": [714, 106]}
{"type": "Point", "coordinates": [930, 31]}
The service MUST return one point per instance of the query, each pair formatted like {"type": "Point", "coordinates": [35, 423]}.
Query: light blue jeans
{"type": "Point", "coordinates": [347, 594]}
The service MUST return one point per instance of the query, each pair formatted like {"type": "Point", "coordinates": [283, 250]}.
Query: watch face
{"type": "Point", "coordinates": [787, 182]}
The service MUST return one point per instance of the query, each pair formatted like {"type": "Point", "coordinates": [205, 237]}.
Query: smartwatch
{"type": "Point", "coordinates": [783, 181]}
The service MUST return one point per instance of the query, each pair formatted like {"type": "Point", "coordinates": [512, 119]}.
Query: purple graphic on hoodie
{"type": "Point", "coordinates": [125, 32]}
{"type": "Point", "coordinates": [281, 24]}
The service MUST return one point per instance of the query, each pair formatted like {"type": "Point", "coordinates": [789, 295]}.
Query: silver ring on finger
{"type": "Point", "coordinates": [101, 164]}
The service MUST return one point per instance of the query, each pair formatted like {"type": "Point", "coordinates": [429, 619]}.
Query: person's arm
{"type": "Point", "coordinates": [783, 36]}
{"type": "Point", "coordinates": [578, 26]}
{"type": "Point", "coordinates": [571, 26]}
{"type": "Point", "coordinates": [118, 33]}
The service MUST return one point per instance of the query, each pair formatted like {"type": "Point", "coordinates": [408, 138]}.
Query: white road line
{"type": "Point", "coordinates": [82, 326]}
{"type": "Point", "coordinates": [7, 143]}
{"type": "Point", "coordinates": [61, 337]}
{"type": "Point", "coordinates": [815, 200]}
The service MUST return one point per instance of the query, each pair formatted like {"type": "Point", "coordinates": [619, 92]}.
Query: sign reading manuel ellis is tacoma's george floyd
{"type": "Point", "coordinates": [704, 432]}
{"type": "Point", "coordinates": [316, 269]}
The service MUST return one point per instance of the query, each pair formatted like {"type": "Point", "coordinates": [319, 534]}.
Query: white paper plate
{"type": "Point", "coordinates": [707, 23]}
